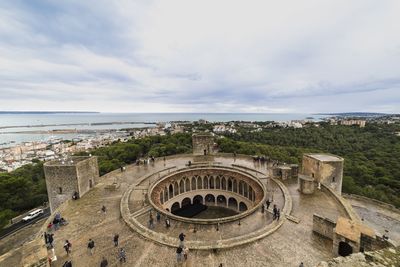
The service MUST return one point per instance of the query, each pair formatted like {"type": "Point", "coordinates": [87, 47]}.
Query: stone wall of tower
{"type": "Point", "coordinates": [203, 143]}
{"type": "Point", "coordinates": [64, 179]}
{"type": "Point", "coordinates": [329, 173]}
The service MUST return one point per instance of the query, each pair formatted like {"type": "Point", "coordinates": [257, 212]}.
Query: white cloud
{"type": "Point", "coordinates": [196, 56]}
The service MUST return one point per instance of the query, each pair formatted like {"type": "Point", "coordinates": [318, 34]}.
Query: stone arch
{"type": "Point", "coordinates": [176, 189]}
{"type": "Point", "coordinates": [211, 183]}
{"type": "Point", "coordinates": [232, 203]}
{"type": "Point", "coordinates": [187, 184]}
{"type": "Point", "coordinates": [205, 182]}
{"type": "Point", "coordinates": [181, 187]}
{"type": "Point", "coordinates": [218, 182]}
{"type": "Point", "coordinates": [344, 249]}
{"type": "Point", "coordinates": [242, 206]}
{"type": "Point", "coordinates": [221, 201]}
{"type": "Point", "coordinates": [186, 202]}
{"type": "Point", "coordinates": [175, 207]}
{"type": "Point", "coordinates": [210, 200]}
{"type": "Point", "coordinates": [198, 199]}
{"type": "Point", "coordinates": [165, 193]}
{"type": "Point", "coordinates": [245, 190]}
{"type": "Point", "coordinates": [223, 183]}
{"type": "Point", "coordinates": [241, 186]}
{"type": "Point", "coordinates": [250, 193]}
{"type": "Point", "coordinates": [199, 183]}
{"type": "Point", "coordinates": [230, 184]}
{"type": "Point", "coordinates": [170, 191]}
{"type": "Point", "coordinates": [194, 187]}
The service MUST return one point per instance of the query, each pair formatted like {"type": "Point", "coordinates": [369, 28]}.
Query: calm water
{"type": "Point", "coordinates": [83, 121]}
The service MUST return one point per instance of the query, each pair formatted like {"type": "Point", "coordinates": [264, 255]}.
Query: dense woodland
{"type": "Point", "coordinates": [372, 159]}
{"type": "Point", "coordinates": [372, 154]}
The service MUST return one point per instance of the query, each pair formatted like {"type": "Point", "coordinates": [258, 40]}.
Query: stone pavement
{"type": "Point", "coordinates": [288, 246]}
{"type": "Point", "coordinates": [379, 216]}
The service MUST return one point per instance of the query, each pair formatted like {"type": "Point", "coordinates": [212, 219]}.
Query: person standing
{"type": "Point", "coordinates": [275, 210]}
{"type": "Point", "coordinates": [46, 239]}
{"type": "Point", "coordinates": [268, 203]}
{"type": "Point", "coordinates": [50, 237]}
{"type": "Point", "coordinates": [122, 255]}
{"type": "Point", "coordinates": [104, 262]}
{"type": "Point", "coordinates": [167, 222]}
{"type": "Point", "coordinates": [278, 214]}
{"type": "Point", "coordinates": [185, 253]}
{"type": "Point", "coordinates": [103, 209]}
{"type": "Point", "coordinates": [158, 216]}
{"type": "Point", "coordinates": [182, 240]}
{"type": "Point", "coordinates": [179, 254]}
{"type": "Point", "coordinates": [116, 237]}
{"type": "Point", "coordinates": [151, 222]}
{"type": "Point", "coordinates": [91, 246]}
{"type": "Point", "coordinates": [67, 246]}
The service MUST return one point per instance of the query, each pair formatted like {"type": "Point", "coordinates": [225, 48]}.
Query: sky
{"type": "Point", "coordinates": [200, 56]}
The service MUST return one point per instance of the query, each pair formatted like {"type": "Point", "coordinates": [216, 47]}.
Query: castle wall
{"type": "Point", "coordinates": [87, 173]}
{"type": "Point", "coordinates": [323, 226]}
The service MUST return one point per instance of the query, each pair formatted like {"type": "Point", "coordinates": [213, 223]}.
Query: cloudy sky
{"type": "Point", "coordinates": [200, 56]}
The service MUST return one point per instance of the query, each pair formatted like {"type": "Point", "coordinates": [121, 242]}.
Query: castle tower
{"type": "Point", "coordinates": [203, 144]}
{"type": "Point", "coordinates": [67, 176]}
{"type": "Point", "coordinates": [324, 169]}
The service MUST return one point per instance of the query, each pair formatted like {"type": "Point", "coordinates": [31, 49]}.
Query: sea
{"type": "Point", "coordinates": [16, 128]}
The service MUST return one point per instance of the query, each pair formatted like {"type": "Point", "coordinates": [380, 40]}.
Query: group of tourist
{"type": "Point", "coordinates": [158, 218]}
{"type": "Point", "coordinates": [182, 251]}
{"type": "Point", "coordinates": [49, 240]}
{"type": "Point", "coordinates": [275, 211]}
{"type": "Point", "coordinates": [146, 161]}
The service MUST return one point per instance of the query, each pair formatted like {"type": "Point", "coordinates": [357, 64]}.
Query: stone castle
{"type": "Point", "coordinates": [218, 200]}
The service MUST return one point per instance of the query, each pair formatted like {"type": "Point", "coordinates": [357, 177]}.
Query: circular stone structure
{"type": "Point", "coordinates": [194, 189]}
{"type": "Point", "coordinates": [187, 196]}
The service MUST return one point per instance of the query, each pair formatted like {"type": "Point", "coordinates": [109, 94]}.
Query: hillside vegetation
{"type": "Point", "coordinates": [372, 154]}
{"type": "Point", "coordinates": [371, 169]}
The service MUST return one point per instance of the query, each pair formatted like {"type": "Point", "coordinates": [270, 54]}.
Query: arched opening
{"type": "Point", "coordinates": [166, 194]}
{"type": "Point", "coordinates": [175, 207]}
{"type": "Point", "coordinates": [246, 190]}
{"type": "Point", "coordinates": [230, 184]}
{"type": "Point", "coordinates": [242, 207]}
{"type": "Point", "coordinates": [186, 202]}
{"type": "Point", "coordinates": [193, 183]}
{"type": "Point", "coordinates": [187, 184]}
{"type": "Point", "coordinates": [199, 182]}
{"type": "Point", "coordinates": [176, 189]}
{"type": "Point", "coordinates": [250, 193]}
{"type": "Point", "coordinates": [218, 183]}
{"type": "Point", "coordinates": [171, 191]}
{"type": "Point", "coordinates": [210, 200]}
{"type": "Point", "coordinates": [221, 201]}
{"type": "Point", "coordinates": [181, 187]}
{"type": "Point", "coordinates": [241, 183]}
{"type": "Point", "coordinates": [345, 249]}
{"type": "Point", "coordinates": [205, 182]}
{"type": "Point", "coordinates": [232, 203]}
{"type": "Point", "coordinates": [198, 199]}
{"type": "Point", "coordinates": [162, 197]}
{"type": "Point", "coordinates": [211, 182]}
{"type": "Point", "coordinates": [223, 183]}
{"type": "Point", "coordinates": [235, 189]}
